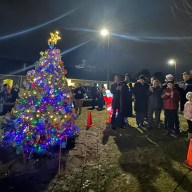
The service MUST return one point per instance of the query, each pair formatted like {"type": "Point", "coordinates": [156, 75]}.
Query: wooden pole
{"type": "Point", "coordinates": [24, 160]}
{"type": "Point", "coordinates": [60, 157]}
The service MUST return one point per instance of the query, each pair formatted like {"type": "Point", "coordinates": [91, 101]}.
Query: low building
{"type": "Point", "coordinates": [18, 80]}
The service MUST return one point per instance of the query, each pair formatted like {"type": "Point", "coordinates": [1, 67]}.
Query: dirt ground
{"type": "Point", "coordinates": [104, 161]}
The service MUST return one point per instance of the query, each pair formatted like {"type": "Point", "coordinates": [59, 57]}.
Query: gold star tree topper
{"type": "Point", "coordinates": [54, 38]}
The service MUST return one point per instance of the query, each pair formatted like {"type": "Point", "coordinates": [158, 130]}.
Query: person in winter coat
{"type": "Point", "coordinates": [94, 94]}
{"type": "Point", "coordinates": [126, 101]}
{"type": "Point", "coordinates": [140, 92]}
{"type": "Point", "coordinates": [155, 103]}
{"type": "Point", "coordinates": [188, 113]}
{"type": "Point", "coordinates": [171, 98]}
{"type": "Point", "coordinates": [5, 97]}
{"type": "Point", "coordinates": [14, 93]}
{"type": "Point", "coordinates": [170, 77]}
{"type": "Point", "coordinates": [6, 94]}
{"type": "Point", "coordinates": [100, 101]}
{"type": "Point", "coordinates": [186, 86]}
{"type": "Point", "coordinates": [117, 89]}
{"type": "Point", "coordinates": [79, 94]}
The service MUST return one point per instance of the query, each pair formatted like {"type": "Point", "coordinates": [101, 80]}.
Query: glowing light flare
{"type": "Point", "coordinates": [172, 62]}
{"type": "Point", "coordinates": [82, 29]}
{"type": "Point", "coordinates": [104, 32]}
{"type": "Point", "coordinates": [36, 27]}
{"type": "Point", "coordinates": [74, 48]}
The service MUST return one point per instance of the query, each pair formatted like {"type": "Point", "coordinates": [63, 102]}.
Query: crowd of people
{"type": "Point", "coordinates": [149, 99]}
{"type": "Point", "coordinates": [79, 95]}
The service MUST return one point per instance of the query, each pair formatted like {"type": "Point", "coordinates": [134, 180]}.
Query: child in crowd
{"type": "Point", "coordinates": [188, 114]}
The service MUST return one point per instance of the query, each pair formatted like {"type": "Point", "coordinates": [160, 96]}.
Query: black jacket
{"type": "Point", "coordinates": [141, 97]}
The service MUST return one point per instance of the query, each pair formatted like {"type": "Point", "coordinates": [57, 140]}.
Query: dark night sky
{"type": "Point", "coordinates": [154, 31]}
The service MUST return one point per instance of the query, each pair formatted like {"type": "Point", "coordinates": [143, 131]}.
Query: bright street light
{"type": "Point", "coordinates": [104, 33]}
{"type": "Point", "coordinates": [173, 62]}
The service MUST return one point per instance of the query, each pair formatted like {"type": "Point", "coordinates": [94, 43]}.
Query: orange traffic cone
{"type": "Point", "coordinates": [89, 119]}
{"type": "Point", "coordinates": [188, 162]}
{"type": "Point", "coordinates": [109, 119]}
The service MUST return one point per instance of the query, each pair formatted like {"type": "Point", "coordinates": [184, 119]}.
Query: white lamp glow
{"type": "Point", "coordinates": [104, 32]}
{"type": "Point", "coordinates": [172, 62]}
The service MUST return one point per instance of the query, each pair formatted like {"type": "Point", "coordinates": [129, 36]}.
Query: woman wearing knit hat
{"type": "Point", "coordinates": [188, 114]}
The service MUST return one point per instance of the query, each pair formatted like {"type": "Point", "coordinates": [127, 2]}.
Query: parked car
{"type": "Point", "coordinates": [88, 92]}
{"type": "Point", "coordinates": [88, 96]}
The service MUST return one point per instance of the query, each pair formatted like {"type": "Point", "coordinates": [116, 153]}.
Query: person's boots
{"type": "Point", "coordinates": [189, 136]}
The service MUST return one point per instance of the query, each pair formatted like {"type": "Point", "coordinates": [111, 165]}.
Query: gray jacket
{"type": "Point", "coordinates": [154, 99]}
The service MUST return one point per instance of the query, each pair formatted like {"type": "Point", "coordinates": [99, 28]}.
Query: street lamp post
{"type": "Point", "coordinates": [104, 33]}
{"type": "Point", "coordinates": [173, 62]}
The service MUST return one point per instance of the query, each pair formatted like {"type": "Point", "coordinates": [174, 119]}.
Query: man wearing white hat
{"type": "Point", "coordinates": [168, 77]}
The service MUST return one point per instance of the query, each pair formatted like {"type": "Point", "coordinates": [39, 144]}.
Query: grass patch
{"type": "Point", "coordinates": [125, 160]}
{"type": "Point", "coordinates": [136, 160]}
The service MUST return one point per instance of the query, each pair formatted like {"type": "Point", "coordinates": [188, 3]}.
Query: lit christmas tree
{"type": "Point", "coordinates": [43, 114]}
